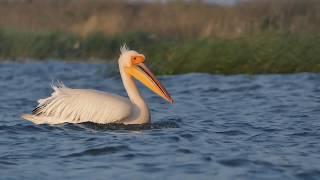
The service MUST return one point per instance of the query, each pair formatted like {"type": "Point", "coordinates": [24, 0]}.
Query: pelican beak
{"type": "Point", "coordinates": [146, 77]}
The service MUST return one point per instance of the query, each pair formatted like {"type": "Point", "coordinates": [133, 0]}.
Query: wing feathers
{"type": "Point", "coordinates": [79, 105]}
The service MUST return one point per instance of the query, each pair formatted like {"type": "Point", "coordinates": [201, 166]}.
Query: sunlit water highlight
{"type": "Point", "coordinates": [221, 127]}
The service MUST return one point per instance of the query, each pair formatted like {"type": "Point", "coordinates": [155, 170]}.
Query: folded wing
{"type": "Point", "coordinates": [67, 105]}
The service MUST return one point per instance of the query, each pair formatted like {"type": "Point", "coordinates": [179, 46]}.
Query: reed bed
{"type": "Point", "coordinates": [257, 36]}
{"type": "Point", "coordinates": [175, 19]}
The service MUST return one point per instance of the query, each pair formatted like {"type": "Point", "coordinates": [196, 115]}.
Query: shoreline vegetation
{"type": "Point", "coordinates": [250, 37]}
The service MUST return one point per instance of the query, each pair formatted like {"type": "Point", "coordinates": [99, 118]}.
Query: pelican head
{"type": "Point", "coordinates": [132, 63]}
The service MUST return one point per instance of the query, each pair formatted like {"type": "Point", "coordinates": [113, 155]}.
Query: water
{"type": "Point", "coordinates": [221, 127]}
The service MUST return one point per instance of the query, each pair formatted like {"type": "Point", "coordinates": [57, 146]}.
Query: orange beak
{"type": "Point", "coordinates": [146, 77]}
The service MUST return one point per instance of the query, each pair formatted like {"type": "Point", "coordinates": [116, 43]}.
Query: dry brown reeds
{"type": "Point", "coordinates": [172, 19]}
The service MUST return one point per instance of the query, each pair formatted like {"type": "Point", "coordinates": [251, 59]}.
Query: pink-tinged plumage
{"type": "Point", "coordinates": [67, 105]}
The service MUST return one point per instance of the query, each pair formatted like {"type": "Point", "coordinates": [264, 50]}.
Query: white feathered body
{"type": "Point", "coordinates": [67, 105]}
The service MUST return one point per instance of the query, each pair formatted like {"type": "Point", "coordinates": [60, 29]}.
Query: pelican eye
{"type": "Point", "coordinates": [137, 59]}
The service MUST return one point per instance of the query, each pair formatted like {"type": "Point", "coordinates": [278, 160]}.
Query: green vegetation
{"type": "Point", "coordinates": [258, 53]}
{"type": "Point", "coordinates": [18, 45]}
{"type": "Point", "coordinates": [261, 53]}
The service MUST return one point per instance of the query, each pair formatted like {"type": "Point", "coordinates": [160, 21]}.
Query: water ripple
{"type": "Point", "coordinates": [99, 151]}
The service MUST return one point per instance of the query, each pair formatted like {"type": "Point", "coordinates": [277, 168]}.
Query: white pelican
{"type": "Point", "coordinates": [66, 105]}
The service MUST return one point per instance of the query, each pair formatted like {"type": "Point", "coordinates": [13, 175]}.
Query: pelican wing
{"type": "Point", "coordinates": [67, 105]}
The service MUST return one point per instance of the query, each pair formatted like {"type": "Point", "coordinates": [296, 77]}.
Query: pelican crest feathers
{"type": "Point", "coordinates": [124, 48]}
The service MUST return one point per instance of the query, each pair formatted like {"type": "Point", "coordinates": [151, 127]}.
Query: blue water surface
{"type": "Point", "coordinates": [221, 127]}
